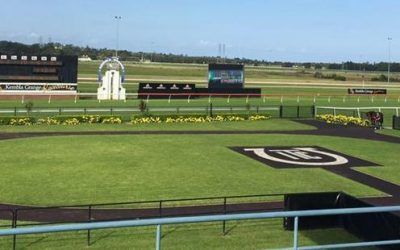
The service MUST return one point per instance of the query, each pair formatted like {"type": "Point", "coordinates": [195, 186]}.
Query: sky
{"type": "Point", "coordinates": [273, 30]}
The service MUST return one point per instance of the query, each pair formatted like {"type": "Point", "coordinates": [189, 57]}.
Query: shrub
{"type": "Point", "coordinates": [344, 120]}
{"type": "Point", "coordinates": [112, 120]}
{"type": "Point", "coordinates": [22, 121]}
{"type": "Point", "coordinates": [196, 119]}
{"type": "Point", "coordinates": [48, 121]}
{"type": "Point", "coordinates": [17, 120]}
{"type": "Point", "coordinates": [64, 120]}
{"type": "Point", "coordinates": [334, 76]}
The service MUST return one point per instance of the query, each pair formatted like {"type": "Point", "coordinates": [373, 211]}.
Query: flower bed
{"type": "Point", "coordinates": [196, 119]}
{"type": "Point", "coordinates": [61, 120]}
{"type": "Point", "coordinates": [96, 119]}
{"type": "Point", "coordinates": [344, 120]}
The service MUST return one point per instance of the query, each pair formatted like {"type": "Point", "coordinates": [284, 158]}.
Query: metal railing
{"type": "Point", "coordinates": [278, 111]}
{"type": "Point", "coordinates": [159, 222]}
{"type": "Point", "coordinates": [356, 110]}
{"type": "Point", "coordinates": [21, 216]}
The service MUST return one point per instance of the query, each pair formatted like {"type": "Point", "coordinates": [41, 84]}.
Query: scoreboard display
{"type": "Point", "coordinates": [38, 73]}
{"type": "Point", "coordinates": [225, 76]}
{"type": "Point", "coordinates": [38, 69]}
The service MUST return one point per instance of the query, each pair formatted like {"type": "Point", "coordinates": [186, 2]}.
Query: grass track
{"type": "Point", "coordinates": [85, 169]}
{"type": "Point", "coordinates": [242, 235]}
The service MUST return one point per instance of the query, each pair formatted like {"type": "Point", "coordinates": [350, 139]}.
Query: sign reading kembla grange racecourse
{"type": "Point", "coordinates": [301, 157]}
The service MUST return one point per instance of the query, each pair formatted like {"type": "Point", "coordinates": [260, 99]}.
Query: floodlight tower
{"type": "Point", "coordinates": [118, 19]}
{"type": "Point", "coordinates": [389, 50]}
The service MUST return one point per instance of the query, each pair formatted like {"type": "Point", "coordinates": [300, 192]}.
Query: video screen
{"type": "Point", "coordinates": [225, 76]}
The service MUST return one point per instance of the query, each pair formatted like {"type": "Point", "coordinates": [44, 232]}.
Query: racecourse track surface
{"type": "Point", "coordinates": [68, 214]}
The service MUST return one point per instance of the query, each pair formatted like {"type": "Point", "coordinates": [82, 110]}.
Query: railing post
{"type": "Point", "coordinates": [298, 111]}
{"type": "Point", "coordinates": [59, 111]}
{"type": "Point", "coordinates": [158, 238]}
{"type": "Point", "coordinates": [211, 109]}
{"type": "Point", "coordinates": [15, 219]}
{"type": "Point", "coordinates": [111, 111]}
{"type": "Point", "coordinates": [295, 233]}
{"type": "Point", "coordinates": [89, 220]}
{"type": "Point", "coordinates": [280, 111]}
{"type": "Point", "coordinates": [15, 111]}
{"type": "Point", "coordinates": [224, 222]}
{"type": "Point", "coordinates": [313, 111]}
{"type": "Point", "coordinates": [160, 208]}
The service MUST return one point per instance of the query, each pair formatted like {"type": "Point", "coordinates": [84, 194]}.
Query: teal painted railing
{"type": "Point", "coordinates": [159, 222]}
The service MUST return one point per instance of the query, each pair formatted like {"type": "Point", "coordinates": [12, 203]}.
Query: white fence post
{"type": "Point", "coordinates": [295, 233]}
{"type": "Point", "coordinates": [158, 238]}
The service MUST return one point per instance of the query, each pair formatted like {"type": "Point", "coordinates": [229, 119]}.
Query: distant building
{"type": "Point", "coordinates": [85, 58]}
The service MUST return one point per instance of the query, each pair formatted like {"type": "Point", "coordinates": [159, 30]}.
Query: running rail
{"type": "Point", "coordinates": [213, 218]}
{"type": "Point", "coordinates": [358, 109]}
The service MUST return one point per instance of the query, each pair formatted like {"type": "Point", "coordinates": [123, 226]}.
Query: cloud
{"type": "Point", "coordinates": [33, 35]}
{"type": "Point", "coordinates": [206, 43]}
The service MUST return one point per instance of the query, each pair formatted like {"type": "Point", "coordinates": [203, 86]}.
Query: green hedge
{"type": "Point", "coordinates": [174, 116]}
{"type": "Point", "coordinates": [7, 120]}
{"type": "Point", "coordinates": [84, 118]}
{"type": "Point", "coordinates": [28, 120]}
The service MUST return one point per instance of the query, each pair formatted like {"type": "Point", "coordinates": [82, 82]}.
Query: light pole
{"type": "Point", "coordinates": [389, 45]}
{"type": "Point", "coordinates": [118, 19]}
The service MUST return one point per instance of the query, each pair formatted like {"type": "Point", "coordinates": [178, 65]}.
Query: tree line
{"type": "Point", "coordinates": [125, 55]}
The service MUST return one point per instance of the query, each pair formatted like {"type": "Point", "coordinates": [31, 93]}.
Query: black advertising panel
{"type": "Point", "coordinates": [367, 91]}
{"type": "Point", "coordinates": [166, 90]}
{"type": "Point", "coordinates": [38, 69]}
{"type": "Point", "coordinates": [366, 226]}
{"type": "Point", "coordinates": [225, 76]}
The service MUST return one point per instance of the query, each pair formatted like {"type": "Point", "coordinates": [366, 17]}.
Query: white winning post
{"type": "Point", "coordinates": [110, 85]}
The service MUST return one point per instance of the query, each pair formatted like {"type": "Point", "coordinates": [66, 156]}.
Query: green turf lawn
{"type": "Point", "coordinates": [199, 72]}
{"type": "Point", "coordinates": [274, 102]}
{"type": "Point", "coordinates": [392, 132]}
{"type": "Point", "coordinates": [275, 96]}
{"type": "Point", "coordinates": [92, 169]}
{"type": "Point", "coordinates": [242, 235]}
